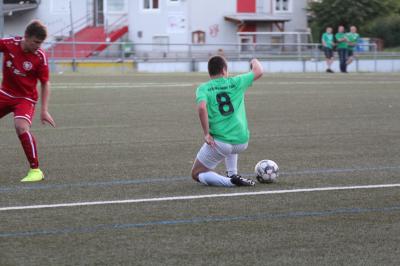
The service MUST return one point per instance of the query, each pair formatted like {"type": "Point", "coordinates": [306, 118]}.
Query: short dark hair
{"type": "Point", "coordinates": [216, 65]}
{"type": "Point", "coordinates": [36, 29]}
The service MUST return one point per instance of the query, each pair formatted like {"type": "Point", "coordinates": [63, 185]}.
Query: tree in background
{"type": "Point", "coordinates": [386, 28]}
{"type": "Point", "coordinates": [347, 12]}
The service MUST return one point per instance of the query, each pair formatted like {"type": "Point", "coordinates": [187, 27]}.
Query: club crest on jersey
{"type": "Point", "coordinates": [27, 65]}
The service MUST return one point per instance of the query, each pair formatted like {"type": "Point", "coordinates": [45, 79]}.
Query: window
{"type": "Point", "coordinates": [282, 6]}
{"type": "Point", "coordinates": [198, 37]}
{"type": "Point", "coordinates": [150, 4]}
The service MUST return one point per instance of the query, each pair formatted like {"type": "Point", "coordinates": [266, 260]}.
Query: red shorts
{"type": "Point", "coordinates": [21, 108]}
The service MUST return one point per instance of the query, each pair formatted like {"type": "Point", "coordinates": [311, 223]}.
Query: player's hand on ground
{"type": "Point", "coordinates": [209, 140]}
{"type": "Point", "coordinates": [45, 117]}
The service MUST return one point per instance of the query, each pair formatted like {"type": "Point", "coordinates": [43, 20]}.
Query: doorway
{"type": "Point", "coordinates": [98, 13]}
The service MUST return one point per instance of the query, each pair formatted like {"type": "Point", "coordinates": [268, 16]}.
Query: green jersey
{"type": "Point", "coordinates": [353, 38]}
{"type": "Point", "coordinates": [328, 39]}
{"type": "Point", "coordinates": [341, 45]}
{"type": "Point", "coordinates": [225, 106]}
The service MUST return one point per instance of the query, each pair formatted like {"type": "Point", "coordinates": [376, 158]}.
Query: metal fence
{"type": "Point", "coordinates": [183, 52]}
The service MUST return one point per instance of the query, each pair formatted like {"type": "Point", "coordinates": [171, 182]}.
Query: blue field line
{"type": "Point", "coordinates": [181, 178]}
{"type": "Point", "coordinates": [199, 220]}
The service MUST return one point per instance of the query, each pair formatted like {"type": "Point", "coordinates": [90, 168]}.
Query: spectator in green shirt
{"type": "Point", "coordinates": [352, 38]}
{"type": "Point", "coordinates": [327, 44]}
{"type": "Point", "coordinates": [342, 46]}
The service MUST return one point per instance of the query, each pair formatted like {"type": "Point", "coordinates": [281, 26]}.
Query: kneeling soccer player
{"type": "Point", "coordinates": [222, 113]}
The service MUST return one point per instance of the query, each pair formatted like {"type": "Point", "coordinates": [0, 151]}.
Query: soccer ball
{"type": "Point", "coordinates": [266, 171]}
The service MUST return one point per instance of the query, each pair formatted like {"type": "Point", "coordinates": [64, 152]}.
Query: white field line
{"type": "Point", "coordinates": [193, 197]}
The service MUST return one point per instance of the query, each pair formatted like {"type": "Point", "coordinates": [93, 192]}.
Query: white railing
{"type": "Point", "coordinates": [183, 52]}
{"type": "Point", "coordinates": [66, 32]}
{"type": "Point", "coordinates": [118, 23]}
{"type": "Point", "coordinates": [156, 51]}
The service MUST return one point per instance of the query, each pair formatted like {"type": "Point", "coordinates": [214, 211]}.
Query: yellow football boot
{"type": "Point", "coordinates": [33, 175]}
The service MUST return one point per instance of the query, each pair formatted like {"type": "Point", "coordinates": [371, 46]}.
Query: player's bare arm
{"type": "Point", "coordinates": [257, 68]}
{"type": "Point", "coordinates": [45, 116]}
{"type": "Point", "coordinates": [203, 115]}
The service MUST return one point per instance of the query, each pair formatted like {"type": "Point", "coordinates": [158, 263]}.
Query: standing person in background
{"type": "Point", "coordinates": [327, 44]}
{"type": "Point", "coordinates": [222, 113]}
{"type": "Point", "coordinates": [342, 48]}
{"type": "Point", "coordinates": [24, 64]}
{"type": "Point", "coordinates": [352, 38]}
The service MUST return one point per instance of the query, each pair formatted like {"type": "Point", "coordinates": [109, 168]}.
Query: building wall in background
{"type": "Point", "coordinates": [176, 21]}
{"type": "Point", "coordinates": [173, 21]}
{"type": "Point", "coordinates": [298, 16]}
{"type": "Point", "coordinates": [166, 23]}
{"type": "Point", "coordinates": [54, 13]}
{"type": "Point", "coordinates": [208, 16]}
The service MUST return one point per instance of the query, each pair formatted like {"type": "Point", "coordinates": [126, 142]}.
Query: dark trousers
{"type": "Point", "coordinates": [342, 59]}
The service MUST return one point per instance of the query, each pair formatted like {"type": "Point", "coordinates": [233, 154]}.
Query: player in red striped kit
{"type": "Point", "coordinates": [24, 63]}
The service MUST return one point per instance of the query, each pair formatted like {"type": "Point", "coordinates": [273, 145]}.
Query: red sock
{"type": "Point", "coordinates": [29, 145]}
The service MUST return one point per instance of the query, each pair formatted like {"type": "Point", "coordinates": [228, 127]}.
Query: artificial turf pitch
{"type": "Point", "coordinates": [135, 137]}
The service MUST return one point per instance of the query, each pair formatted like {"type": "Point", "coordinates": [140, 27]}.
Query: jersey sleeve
{"type": "Point", "coordinates": [43, 70]}
{"type": "Point", "coordinates": [43, 74]}
{"type": "Point", "coordinates": [200, 95]}
{"type": "Point", "coordinates": [3, 46]}
{"type": "Point", "coordinates": [244, 81]}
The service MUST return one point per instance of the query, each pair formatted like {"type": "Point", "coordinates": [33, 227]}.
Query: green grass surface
{"type": "Point", "coordinates": [134, 137]}
{"type": "Point", "coordinates": [392, 49]}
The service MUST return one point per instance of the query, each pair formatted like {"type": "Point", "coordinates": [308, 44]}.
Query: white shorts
{"type": "Point", "coordinates": [210, 157]}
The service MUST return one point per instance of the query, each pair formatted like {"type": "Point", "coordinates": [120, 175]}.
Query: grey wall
{"type": "Point", "coordinates": [158, 22]}
{"type": "Point", "coordinates": [54, 13]}
{"type": "Point", "coordinates": [208, 16]}
{"type": "Point", "coordinates": [204, 15]}
{"type": "Point", "coordinates": [298, 20]}
{"type": "Point", "coordinates": [194, 15]}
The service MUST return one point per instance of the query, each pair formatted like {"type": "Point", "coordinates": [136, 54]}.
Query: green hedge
{"type": "Point", "coordinates": [385, 28]}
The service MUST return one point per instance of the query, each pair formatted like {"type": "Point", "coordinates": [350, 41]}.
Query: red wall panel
{"type": "Point", "coordinates": [246, 6]}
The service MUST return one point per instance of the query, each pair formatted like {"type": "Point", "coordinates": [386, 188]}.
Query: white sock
{"type": "Point", "coordinates": [213, 179]}
{"type": "Point", "coordinates": [231, 164]}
